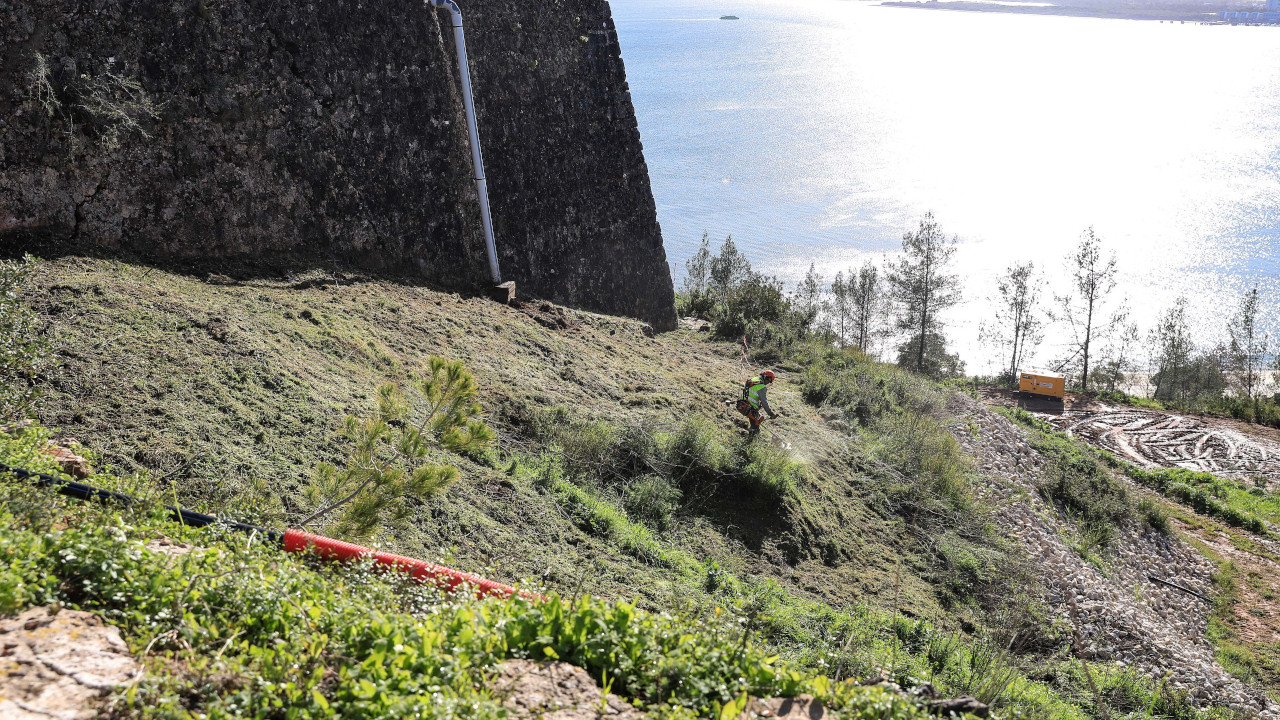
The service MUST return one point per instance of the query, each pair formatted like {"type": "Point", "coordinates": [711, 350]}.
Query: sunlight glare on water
{"type": "Point", "coordinates": [820, 130]}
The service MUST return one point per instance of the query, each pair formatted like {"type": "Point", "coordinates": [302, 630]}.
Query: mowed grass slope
{"type": "Point", "coordinates": [859, 551]}
{"type": "Point", "coordinates": [213, 386]}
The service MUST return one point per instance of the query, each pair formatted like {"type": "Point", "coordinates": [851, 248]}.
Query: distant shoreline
{"type": "Point", "coordinates": [1171, 15]}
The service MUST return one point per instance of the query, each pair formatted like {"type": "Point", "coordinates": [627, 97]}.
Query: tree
{"type": "Point", "coordinates": [24, 347]}
{"type": "Point", "coordinates": [937, 361]}
{"type": "Point", "coordinates": [1171, 352]}
{"type": "Point", "coordinates": [923, 288]}
{"type": "Point", "coordinates": [388, 462]}
{"type": "Point", "coordinates": [841, 307]}
{"type": "Point", "coordinates": [727, 270]}
{"type": "Point", "coordinates": [1018, 325]}
{"type": "Point", "coordinates": [867, 300]}
{"type": "Point", "coordinates": [1249, 347]}
{"type": "Point", "coordinates": [695, 295]}
{"type": "Point", "coordinates": [1093, 280]}
{"type": "Point", "coordinates": [808, 302]}
{"type": "Point", "coordinates": [1110, 373]}
{"type": "Point", "coordinates": [753, 303]}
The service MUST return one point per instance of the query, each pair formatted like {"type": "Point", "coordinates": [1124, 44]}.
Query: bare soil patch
{"type": "Point", "coordinates": [1154, 439]}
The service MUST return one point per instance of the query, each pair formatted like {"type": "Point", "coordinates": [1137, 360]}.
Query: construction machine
{"type": "Point", "coordinates": [1041, 391]}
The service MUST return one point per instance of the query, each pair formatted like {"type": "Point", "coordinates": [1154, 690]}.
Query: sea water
{"type": "Point", "coordinates": [818, 131]}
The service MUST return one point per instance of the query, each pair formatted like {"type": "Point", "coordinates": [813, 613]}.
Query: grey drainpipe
{"type": "Point", "coordinates": [473, 130]}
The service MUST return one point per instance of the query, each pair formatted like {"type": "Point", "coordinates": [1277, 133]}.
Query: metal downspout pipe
{"type": "Point", "coordinates": [477, 162]}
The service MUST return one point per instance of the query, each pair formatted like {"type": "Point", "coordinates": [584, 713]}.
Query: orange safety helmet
{"type": "Point", "coordinates": [767, 375]}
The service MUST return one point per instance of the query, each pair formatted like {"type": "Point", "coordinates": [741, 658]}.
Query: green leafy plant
{"type": "Point", "coordinates": [389, 459]}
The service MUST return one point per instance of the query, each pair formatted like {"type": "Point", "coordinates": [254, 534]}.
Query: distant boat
{"type": "Point", "coordinates": [729, 17]}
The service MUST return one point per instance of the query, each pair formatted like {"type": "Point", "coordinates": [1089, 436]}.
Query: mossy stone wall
{"type": "Point", "coordinates": [275, 133]}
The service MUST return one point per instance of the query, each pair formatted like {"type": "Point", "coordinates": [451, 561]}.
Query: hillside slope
{"type": "Point", "coordinates": [884, 520]}
{"type": "Point", "coordinates": [205, 384]}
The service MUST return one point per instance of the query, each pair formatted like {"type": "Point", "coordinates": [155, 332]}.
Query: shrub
{"type": "Point", "coordinates": [1205, 493]}
{"type": "Point", "coordinates": [767, 471]}
{"type": "Point", "coordinates": [695, 460]}
{"type": "Point", "coordinates": [928, 471]}
{"type": "Point", "coordinates": [866, 390]}
{"type": "Point", "coordinates": [1026, 419]}
{"type": "Point", "coordinates": [1082, 485]}
{"type": "Point", "coordinates": [116, 106]}
{"type": "Point", "coordinates": [1154, 515]}
{"type": "Point", "coordinates": [695, 453]}
{"type": "Point", "coordinates": [586, 448]}
{"type": "Point", "coordinates": [652, 499]}
{"type": "Point", "coordinates": [754, 302]}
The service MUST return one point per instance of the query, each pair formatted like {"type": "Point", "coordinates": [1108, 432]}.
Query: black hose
{"type": "Point", "coordinates": [1176, 586]}
{"type": "Point", "coordinates": [81, 491]}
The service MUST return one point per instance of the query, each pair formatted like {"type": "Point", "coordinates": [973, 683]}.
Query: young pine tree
{"type": "Point", "coordinates": [389, 462]}
{"type": "Point", "coordinates": [808, 299]}
{"type": "Point", "coordinates": [695, 296]}
{"type": "Point", "coordinates": [841, 307]}
{"type": "Point", "coordinates": [1017, 327]}
{"type": "Point", "coordinates": [1171, 351]}
{"type": "Point", "coordinates": [868, 302]}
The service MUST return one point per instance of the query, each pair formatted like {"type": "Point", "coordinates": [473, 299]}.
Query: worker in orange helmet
{"type": "Point", "coordinates": [754, 399]}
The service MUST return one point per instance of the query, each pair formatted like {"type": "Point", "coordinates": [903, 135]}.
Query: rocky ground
{"type": "Point", "coordinates": [1117, 610]}
{"type": "Point", "coordinates": [62, 664]}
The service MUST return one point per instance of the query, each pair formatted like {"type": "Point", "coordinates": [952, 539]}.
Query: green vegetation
{"type": "Point", "coordinates": [1213, 496]}
{"type": "Point", "coordinates": [324, 641]}
{"type": "Point", "coordinates": [693, 459]}
{"type": "Point", "coordinates": [1082, 485]}
{"type": "Point", "coordinates": [915, 470]}
{"type": "Point", "coordinates": [736, 299]}
{"type": "Point", "coordinates": [1261, 410]}
{"type": "Point", "coordinates": [863, 553]}
{"type": "Point", "coordinates": [1250, 659]}
{"type": "Point", "coordinates": [24, 347]}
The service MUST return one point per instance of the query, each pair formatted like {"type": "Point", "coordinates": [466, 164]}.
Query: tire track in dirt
{"type": "Point", "coordinates": [1151, 439]}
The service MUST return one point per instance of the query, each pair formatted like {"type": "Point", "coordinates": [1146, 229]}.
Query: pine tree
{"type": "Point", "coordinates": [867, 300]}
{"type": "Point", "coordinates": [840, 306]}
{"type": "Point", "coordinates": [1018, 326]}
{"type": "Point", "coordinates": [1249, 347]}
{"type": "Point", "coordinates": [728, 270]}
{"type": "Point", "coordinates": [1172, 350]}
{"type": "Point", "coordinates": [1093, 279]}
{"type": "Point", "coordinates": [809, 301]}
{"type": "Point", "coordinates": [923, 288]}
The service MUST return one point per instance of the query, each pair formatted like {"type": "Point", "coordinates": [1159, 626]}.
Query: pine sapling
{"type": "Point", "coordinates": [390, 460]}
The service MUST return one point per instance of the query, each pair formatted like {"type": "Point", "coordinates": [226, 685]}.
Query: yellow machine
{"type": "Point", "coordinates": [1044, 385]}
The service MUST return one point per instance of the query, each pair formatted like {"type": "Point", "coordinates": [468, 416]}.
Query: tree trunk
{"type": "Point", "coordinates": [1088, 336]}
